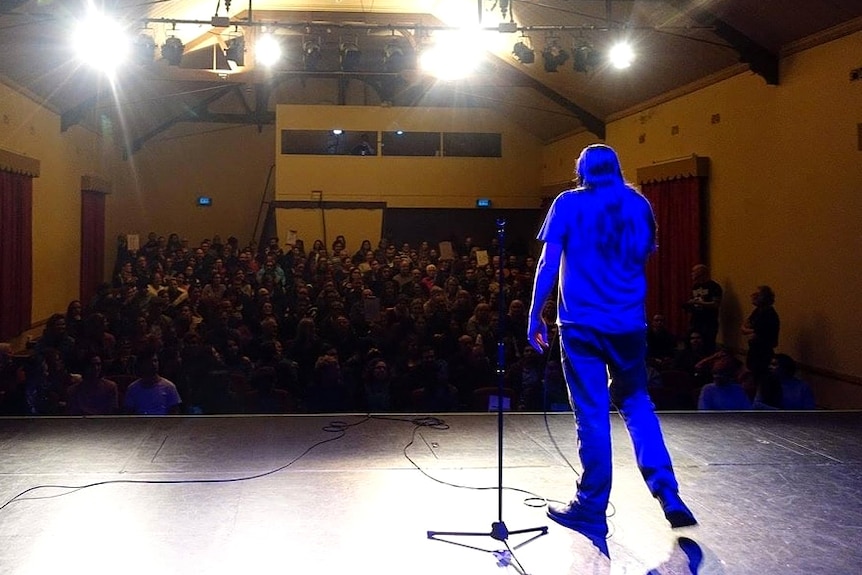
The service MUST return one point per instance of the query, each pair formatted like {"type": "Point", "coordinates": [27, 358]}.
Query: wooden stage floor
{"type": "Point", "coordinates": [774, 492]}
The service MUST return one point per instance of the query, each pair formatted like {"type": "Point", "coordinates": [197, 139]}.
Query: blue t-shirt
{"type": "Point", "coordinates": [726, 397]}
{"type": "Point", "coordinates": [156, 399]}
{"type": "Point", "coordinates": [607, 235]}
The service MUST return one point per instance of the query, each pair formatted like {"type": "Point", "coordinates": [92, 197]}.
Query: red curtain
{"type": "Point", "coordinates": [92, 243]}
{"type": "Point", "coordinates": [677, 207]}
{"type": "Point", "coordinates": [16, 260]}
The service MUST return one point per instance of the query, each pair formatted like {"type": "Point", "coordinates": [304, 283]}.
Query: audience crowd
{"type": "Point", "coordinates": [219, 328]}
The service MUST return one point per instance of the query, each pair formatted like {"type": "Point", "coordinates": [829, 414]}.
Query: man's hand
{"type": "Point", "coordinates": [537, 334]}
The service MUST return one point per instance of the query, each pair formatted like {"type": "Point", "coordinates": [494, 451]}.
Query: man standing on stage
{"type": "Point", "coordinates": [597, 239]}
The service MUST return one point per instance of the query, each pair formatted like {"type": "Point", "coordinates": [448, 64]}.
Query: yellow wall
{"type": "Point", "coordinates": [440, 182]}
{"type": "Point", "coordinates": [31, 130]}
{"type": "Point", "coordinates": [784, 194]}
{"type": "Point", "coordinates": [230, 164]}
{"type": "Point", "coordinates": [558, 158]}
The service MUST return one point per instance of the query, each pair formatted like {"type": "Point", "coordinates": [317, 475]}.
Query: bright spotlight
{"type": "Point", "coordinates": [267, 50]}
{"type": "Point", "coordinates": [453, 56]}
{"type": "Point", "coordinates": [101, 42]}
{"type": "Point", "coordinates": [621, 55]}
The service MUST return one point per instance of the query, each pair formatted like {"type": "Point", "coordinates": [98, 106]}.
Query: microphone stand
{"type": "Point", "coordinates": [499, 531]}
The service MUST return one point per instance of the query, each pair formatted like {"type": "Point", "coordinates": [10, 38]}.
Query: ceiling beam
{"type": "Point", "coordinates": [255, 119]}
{"type": "Point", "coordinates": [762, 62]}
{"type": "Point", "coordinates": [590, 122]}
{"type": "Point", "coordinates": [74, 115]}
{"type": "Point", "coordinates": [190, 115]}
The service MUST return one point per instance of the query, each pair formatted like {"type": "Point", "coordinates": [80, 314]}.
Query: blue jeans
{"type": "Point", "coordinates": [588, 358]}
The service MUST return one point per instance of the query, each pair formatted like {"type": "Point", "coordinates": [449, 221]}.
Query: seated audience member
{"type": "Point", "coordinates": [151, 394]}
{"type": "Point", "coordinates": [661, 344]}
{"type": "Point", "coordinates": [723, 393]}
{"type": "Point", "coordinates": [264, 396]}
{"type": "Point", "coordinates": [692, 353]}
{"type": "Point", "coordinates": [41, 394]}
{"type": "Point", "coordinates": [124, 363]}
{"type": "Point", "coordinates": [525, 377]}
{"type": "Point", "coordinates": [93, 395]}
{"type": "Point", "coordinates": [327, 393]}
{"type": "Point", "coordinates": [513, 326]}
{"type": "Point", "coordinates": [95, 339]}
{"type": "Point", "coordinates": [74, 318]}
{"type": "Point", "coordinates": [55, 336]}
{"type": "Point", "coordinates": [481, 324]}
{"type": "Point", "coordinates": [795, 393]}
{"type": "Point", "coordinates": [376, 392]}
{"type": "Point", "coordinates": [722, 353]}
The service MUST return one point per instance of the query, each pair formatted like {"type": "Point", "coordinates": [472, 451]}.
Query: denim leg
{"type": "Point", "coordinates": [587, 380]}
{"type": "Point", "coordinates": [629, 393]}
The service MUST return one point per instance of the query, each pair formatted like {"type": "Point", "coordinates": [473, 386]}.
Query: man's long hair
{"type": "Point", "coordinates": [619, 231]}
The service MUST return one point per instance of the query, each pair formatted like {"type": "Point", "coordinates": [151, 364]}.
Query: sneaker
{"type": "Point", "coordinates": [574, 517]}
{"type": "Point", "coordinates": [676, 512]}
{"type": "Point", "coordinates": [593, 526]}
{"type": "Point", "coordinates": [693, 553]}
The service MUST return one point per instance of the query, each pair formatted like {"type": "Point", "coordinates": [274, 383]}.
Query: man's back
{"type": "Point", "coordinates": [607, 234]}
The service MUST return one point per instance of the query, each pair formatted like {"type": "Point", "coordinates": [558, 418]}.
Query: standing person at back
{"type": "Point", "coordinates": [597, 239]}
{"type": "Point", "coordinates": [703, 306]}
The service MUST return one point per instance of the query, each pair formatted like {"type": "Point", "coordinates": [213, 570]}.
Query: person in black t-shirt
{"type": "Point", "coordinates": [704, 304]}
{"type": "Point", "coordinates": [761, 329]}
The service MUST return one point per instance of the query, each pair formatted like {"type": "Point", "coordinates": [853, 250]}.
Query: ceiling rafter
{"type": "Point", "coordinates": [762, 61]}
{"type": "Point", "coordinates": [590, 122]}
{"type": "Point", "coordinates": [190, 115]}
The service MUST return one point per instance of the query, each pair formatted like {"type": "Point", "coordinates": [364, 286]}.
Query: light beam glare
{"type": "Point", "coordinates": [454, 55]}
{"type": "Point", "coordinates": [267, 50]}
{"type": "Point", "coordinates": [621, 55]}
{"type": "Point", "coordinates": [101, 42]}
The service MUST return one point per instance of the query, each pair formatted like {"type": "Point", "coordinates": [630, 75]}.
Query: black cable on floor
{"type": "Point", "coordinates": [338, 427]}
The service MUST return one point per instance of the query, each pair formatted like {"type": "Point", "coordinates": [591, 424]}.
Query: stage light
{"type": "Point", "coordinates": [311, 54]}
{"type": "Point", "coordinates": [394, 59]}
{"type": "Point", "coordinates": [101, 42]}
{"type": "Point", "coordinates": [350, 56]}
{"type": "Point", "coordinates": [172, 50]}
{"type": "Point", "coordinates": [454, 55]}
{"type": "Point", "coordinates": [144, 49]}
{"type": "Point", "coordinates": [585, 57]}
{"type": "Point", "coordinates": [553, 56]}
{"type": "Point", "coordinates": [267, 50]}
{"type": "Point", "coordinates": [621, 55]}
{"type": "Point", "coordinates": [523, 53]}
{"type": "Point", "coordinates": [235, 50]}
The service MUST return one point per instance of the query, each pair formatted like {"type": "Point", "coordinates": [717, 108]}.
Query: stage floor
{"type": "Point", "coordinates": [774, 493]}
